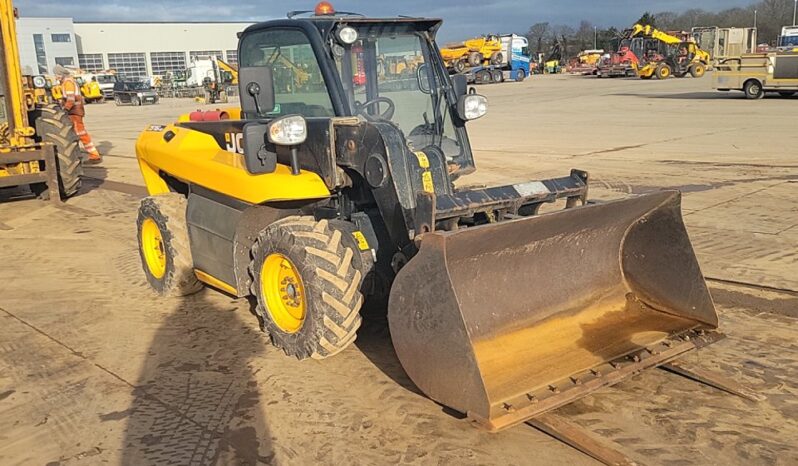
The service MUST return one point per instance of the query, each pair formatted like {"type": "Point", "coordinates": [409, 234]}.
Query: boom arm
{"type": "Point", "coordinates": [649, 31]}
{"type": "Point", "coordinates": [10, 72]}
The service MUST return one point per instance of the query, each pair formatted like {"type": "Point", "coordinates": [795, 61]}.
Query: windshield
{"type": "Point", "coordinates": [388, 77]}
{"type": "Point", "coordinates": [106, 78]}
{"type": "Point", "coordinates": [788, 41]}
{"type": "Point", "coordinates": [298, 84]}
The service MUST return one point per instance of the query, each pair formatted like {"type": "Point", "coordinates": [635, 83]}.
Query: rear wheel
{"type": "Point", "coordinates": [306, 278]}
{"type": "Point", "coordinates": [753, 89]}
{"type": "Point", "coordinates": [54, 126]}
{"type": "Point", "coordinates": [135, 100]}
{"type": "Point", "coordinates": [697, 70]}
{"type": "Point", "coordinates": [164, 245]}
{"type": "Point", "coordinates": [118, 100]}
{"type": "Point", "coordinates": [663, 71]}
{"type": "Point", "coordinates": [459, 66]}
{"type": "Point", "coordinates": [497, 76]}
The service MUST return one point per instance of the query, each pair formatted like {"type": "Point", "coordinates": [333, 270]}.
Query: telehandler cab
{"type": "Point", "coordinates": [312, 197]}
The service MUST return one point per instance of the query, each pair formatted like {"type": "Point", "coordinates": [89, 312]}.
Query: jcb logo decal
{"type": "Point", "coordinates": [234, 142]}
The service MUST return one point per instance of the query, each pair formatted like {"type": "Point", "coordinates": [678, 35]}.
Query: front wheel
{"type": "Point", "coordinates": [459, 66]}
{"type": "Point", "coordinates": [306, 276]}
{"type": "Point", "coordinates": [164, 245]}
{"type": "Point", "coordinates": [520, 75]}
{"type": "Point", "coordinates": [753, 89]}
{"type": "Point", "coordinates": [54, 126]}
{"type": "Point", "coordinates": [663, 71]}
{"type": "Point", "coordinates": [697, 70]}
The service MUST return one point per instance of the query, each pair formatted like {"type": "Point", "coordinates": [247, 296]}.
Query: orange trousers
{"type": "Point", "coordinates": [85, 138]}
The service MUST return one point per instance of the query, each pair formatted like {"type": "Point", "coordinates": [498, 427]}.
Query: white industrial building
{"type": "Point", "coordinates": [132, 49]}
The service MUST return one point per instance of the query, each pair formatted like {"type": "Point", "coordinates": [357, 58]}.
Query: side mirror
{"type": "Point", "coordinates": [460, 85]}
{"type": "Point", "coordinates": [257, 157]}
{"type": "Point", "coordinates": [256, 90]}
{"type": "Point", "coordinates": [471, 106]}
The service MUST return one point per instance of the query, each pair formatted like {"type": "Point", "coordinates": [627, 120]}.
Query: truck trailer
{"type": "Point", "coordinates": [514, 64]}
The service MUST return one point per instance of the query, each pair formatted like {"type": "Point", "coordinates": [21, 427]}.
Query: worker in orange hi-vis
{"type": "Point", "coordinates": [72, 102]}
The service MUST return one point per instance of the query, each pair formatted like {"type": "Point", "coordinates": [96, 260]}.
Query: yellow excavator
{"type": "Point", "coordinates": [38, 146]}
{"type": "Point", "coordinates": [314, 200]}
{"type": "Point", "coordinates": [677, 57]}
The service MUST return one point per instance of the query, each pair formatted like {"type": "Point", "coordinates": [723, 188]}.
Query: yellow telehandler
{"type": "Point", "coordinates": [38, 146]}
{"type": "Point", "coordinates": [315, 199]}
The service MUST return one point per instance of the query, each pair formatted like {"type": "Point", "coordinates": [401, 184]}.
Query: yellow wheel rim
{"type": "Point", "coordinates": [665, 72]}
{"type": "Point", "coordinates": [153, 248]}
{"type": "Point", "coordinates": [282, 288]}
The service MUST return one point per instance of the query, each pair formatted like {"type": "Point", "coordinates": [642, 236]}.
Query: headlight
{"type": "Point", "coordinates": [39, 82]}
{"type": "Point", "coordinates": [288, 131]}
{"type": "Point", "coordinates": [472, 106]}
{"type": "Point", "coordinates": [347, 35]}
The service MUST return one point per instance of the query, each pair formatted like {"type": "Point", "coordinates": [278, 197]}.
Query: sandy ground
{"type": "Point", "coordinates": [95, 369]}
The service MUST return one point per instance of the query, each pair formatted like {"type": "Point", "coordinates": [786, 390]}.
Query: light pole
{"type": "Point", "coordinates": [794, 10]}
{"type": "Point", "coordinates": [595, 36]}
{"type": "Point", "coordinates": [754, 18]}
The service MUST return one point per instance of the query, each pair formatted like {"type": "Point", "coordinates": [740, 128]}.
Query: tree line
{"type": "Point", "coordinates": [771, 15]}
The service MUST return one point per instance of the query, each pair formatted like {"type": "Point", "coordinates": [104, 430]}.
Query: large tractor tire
{"type": "Point", "coordinates": [697, 70]}
{"type": "Point", "coordinates": [496, 58]}
{"type": "Point", "coordinates": [460, 65]}
{"type": "Point", "coordinates": [475, 59]}
{"type": "Point", "coordinates": [306, 276]}
{"type": "Point", "coordinates": [164, 245]}
{"type": "Point", "coordinates": [54, 126]}
{"type": "Point", "coordinates": [663, 71]}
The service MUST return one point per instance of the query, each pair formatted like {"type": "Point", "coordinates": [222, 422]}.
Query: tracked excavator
{"type": "Point", "coordinates": [38, 146]}
{"type": "Point", "coordinates": [313, 200]}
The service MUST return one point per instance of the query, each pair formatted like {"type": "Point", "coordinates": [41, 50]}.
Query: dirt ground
{"type": "Point", "coordinates": [95, 369]}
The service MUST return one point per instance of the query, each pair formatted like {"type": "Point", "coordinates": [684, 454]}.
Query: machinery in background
{"type": "Point", "coordinates": [90, 88]}
{"type": "Point", "coordinates": [213, 75]}
{"type": "Point", "coordinates": [585, 63]}
{"type": "Point", "coordinates": [312, 199]}
{"type": "Point", "coordinates": [758, 73]}
{"type": "Point", "coordinates": [514, 66]}
{"type": "Point", "coordinates": [722, 43]}
{"type": "Point", "coordinates": [623, 63]}
{"type": "Point", "coordinates": [788, 40]}
{"type": "Point", "coordinates": [38, 146]}
{"type": "Point", "coordinates": [484, 50]}
{"type": "Point", "coordinates": [667, 54]}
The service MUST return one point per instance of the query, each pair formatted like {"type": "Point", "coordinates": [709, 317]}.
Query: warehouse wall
{"type": "Point", "coordinates": [55, 40]}
{"type": "Point", "coordinates": [138, 49]}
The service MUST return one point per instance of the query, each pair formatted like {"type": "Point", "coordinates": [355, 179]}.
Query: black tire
{"type": "Point", "coordinates": [787, 93]}
{"type": "Point", "coordinates": [753, 89]}
{"type": "Point", "coordinates": [168, 211]}
{"type": "Point", "coordinates": [697, 70]}
{"type": "Point", "coordinates": [663, 71]}
{"type": "Point", "coordinates": [54, 126]}
{"type": "Point", "coordinates": [329, 264]}
{"type": "Point", "coordinates": [118, 100]}
{"type": "Point", "coordinates": [459, 66]}
{"type": "Point", "coordinates": [520, 75]}
{"type": "Point", "coordinates": [135, 101]}
{"type": "Point", "coordinates": [497, 76]}
{"type": "Point", "coordinates": [496, 58]}
{"type": "Point", "coordinates": [475, 59]}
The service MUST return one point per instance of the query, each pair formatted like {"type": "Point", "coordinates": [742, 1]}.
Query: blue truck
{"type": "Point", "coordinates": [514, 65]}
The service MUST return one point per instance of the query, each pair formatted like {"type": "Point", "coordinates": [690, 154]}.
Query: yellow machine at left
{"type": "Point", "coordinates": [38, 146]}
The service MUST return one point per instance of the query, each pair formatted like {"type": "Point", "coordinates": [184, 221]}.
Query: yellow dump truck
{"type": "Point", "coordinates": [473, 52]}
{"type": "Point", "coordinates": [758, 73]}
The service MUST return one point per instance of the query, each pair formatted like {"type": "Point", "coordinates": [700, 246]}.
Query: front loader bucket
{"type": "Point", "coordinates": [508, 320]}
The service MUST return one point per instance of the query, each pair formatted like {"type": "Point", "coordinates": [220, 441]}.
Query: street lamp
{"type": "Point", "coordinates": [754, 18]}
{"type": "Point", "coordinates": [595, 36]}
{"type": "Point", "coordinates": [794, 10]}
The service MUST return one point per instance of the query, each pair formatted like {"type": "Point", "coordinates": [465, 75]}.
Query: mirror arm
{"type": "Point", "coordinates": [295, 170]}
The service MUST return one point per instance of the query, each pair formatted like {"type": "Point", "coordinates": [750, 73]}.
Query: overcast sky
{"type": "Point", "coordinates": [460, 18]}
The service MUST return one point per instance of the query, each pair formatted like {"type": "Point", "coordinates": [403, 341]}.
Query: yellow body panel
{"type": "Point", "coordinates": [195, 157]}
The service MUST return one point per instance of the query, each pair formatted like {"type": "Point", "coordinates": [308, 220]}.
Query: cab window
{"type": "Point", "coordinates": [298, 83]}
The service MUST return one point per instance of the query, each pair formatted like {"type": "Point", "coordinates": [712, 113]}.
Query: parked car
{"type": "Point", "coordinates": [134, 93]}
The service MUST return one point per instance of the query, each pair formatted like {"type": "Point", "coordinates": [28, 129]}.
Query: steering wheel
{"type": "Point", "coordinates": [362, 109]}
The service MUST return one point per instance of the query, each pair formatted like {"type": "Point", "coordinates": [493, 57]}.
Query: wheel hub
{"type": "Point", "coordinates": [284, 293]}
{"type": "Point", "coordinates": [152, 248]}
